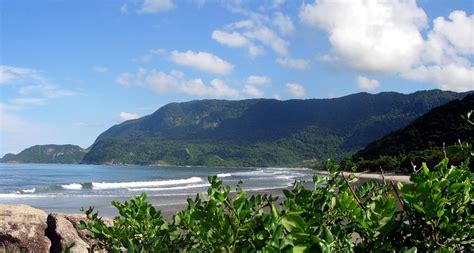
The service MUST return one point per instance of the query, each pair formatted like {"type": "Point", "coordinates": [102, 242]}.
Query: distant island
{"type": "Point", "coordinates": [253, 132]}
{"type": "Point", "coordinates": [69, 154]}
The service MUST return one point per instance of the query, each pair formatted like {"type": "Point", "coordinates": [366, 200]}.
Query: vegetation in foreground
{"type": "Point", "coordinates": [432, 214]}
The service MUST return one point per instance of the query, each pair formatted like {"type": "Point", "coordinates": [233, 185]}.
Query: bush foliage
{"type": "Point", "coordinates": [336, 214]}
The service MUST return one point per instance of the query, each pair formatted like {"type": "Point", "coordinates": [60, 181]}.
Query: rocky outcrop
{"type": "Point", "coordinates": [22, 229]}
{"type": "Point", "coordinates": [64, 235]}
{"type": "Point", "coordinates": [27, 229]}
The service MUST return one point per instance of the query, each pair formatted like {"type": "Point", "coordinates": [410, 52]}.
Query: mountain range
{"type": "Point", "coordinates": [261, 132]}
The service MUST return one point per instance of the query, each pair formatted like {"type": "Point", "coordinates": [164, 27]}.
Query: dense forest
{"type": "Point", "coordinates": [261, 132]}
{"type": "Point", "coordinates": [443, 131]}
{"type": "Point", "coordinates": [47, 154]}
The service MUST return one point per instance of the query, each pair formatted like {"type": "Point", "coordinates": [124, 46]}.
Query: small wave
{"type": "Point", "coordinates": [72, 186]}
{"type": "Point", "coordinates": [32, 190]}
{"type": "Point", "coordinates": [221, 175]}
{"type": "Point", "coordinates": [144, 184]}
{"type": "Point", "coordinates": [169, 188]}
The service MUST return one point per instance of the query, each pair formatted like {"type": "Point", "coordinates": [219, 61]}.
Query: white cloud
{"type": "Point", "coordinates": [10, 74]}
{"type": "Point", "coordinates": [234, 39]}
{"type": "Point", "coordinates": [283, 23]}
{"type": "Point", "coordinates": [365, 83]}
{"type": "Point", "coordinates": [254, 32]}
{"type": "Point", "coordinates": [203, 61]}
{"type": "Point", "coordinates": [253, 91]}
{"type": "Point", "coordinates": [446, 76]}
{"type": "Point", "coordinates": [237, 40]}
{"type": "Point", "coordinates": [124, 8]}
{"type": "Point", "coordinates": [385, 37]}
{"type": "Point", "coordinates": [258, 80]}
{"type": "Point", "coordinates": [155, 6]}
{"type": "Point", "coordinates": [293, 63]}
{"type": "Point", "coordinates": [124, 116]}
{"type": "Point", "coordinates": [32, 86]}
{"type": "Point", "coordinates": [296, 90]}
{"type": "Point", "coordinates": [101, 69]}
{"type": "Point", "coordinates": [269, 38]}
{"type": "Point", "coordinates": [372, 36]}
{"type": "Point", "coordinates": [174, 82]}
{"type": "Point", "coordinates": [457, 32]}
{"type": "Point", "coordinates": [218, 88]}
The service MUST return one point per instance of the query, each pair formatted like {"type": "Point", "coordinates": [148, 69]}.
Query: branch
{"type": "Point", "coordinates": [352, 190]}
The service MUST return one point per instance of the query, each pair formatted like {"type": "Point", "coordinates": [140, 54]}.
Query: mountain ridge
{"type": "Point", "coordinates": [49, 153]}
{"type": "Point", "coordinates": [261, 132]}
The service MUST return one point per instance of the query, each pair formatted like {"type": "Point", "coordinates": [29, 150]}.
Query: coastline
{"type": "Point", "coordinates": [170, 204]}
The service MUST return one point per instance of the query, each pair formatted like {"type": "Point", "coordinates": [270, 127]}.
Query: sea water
{"type": "Point", "coordinates": [67, 188]}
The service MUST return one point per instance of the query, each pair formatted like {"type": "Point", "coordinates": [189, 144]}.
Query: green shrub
{"type": "Point", "coordinates": [431, 214]}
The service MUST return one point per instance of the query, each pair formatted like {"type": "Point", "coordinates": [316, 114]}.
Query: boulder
{"type": "Point", "coordinates": [76, 219]}
{"type": "Point", "coordinates": [63, 235]}
{"type": "Point", "coordinates": [22, 229]}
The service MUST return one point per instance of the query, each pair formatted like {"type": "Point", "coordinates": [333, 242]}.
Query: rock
{"type": "Point", "coordinates": [76, 219]}
{"type": "Point", "coordinates": [63, 234]}
{"type": "Point", "coordinates": [22, 228]}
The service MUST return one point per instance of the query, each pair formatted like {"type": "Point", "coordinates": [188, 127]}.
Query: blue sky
{"type": "Point", "coordinates": [71, 69]}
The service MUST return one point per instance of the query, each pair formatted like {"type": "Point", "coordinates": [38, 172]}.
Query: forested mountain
{"type": "Point", "coordinates": [261, 132]}
{"type": "Point", "coordinates": [47, 154]}
{"type": "Point", "coordinates": [445, 124]}
{"type": "Point", "coordinates": [443, 131]}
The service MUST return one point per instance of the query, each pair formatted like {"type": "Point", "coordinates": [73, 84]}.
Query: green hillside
{"type": "Point", "coordinates": [261, 132]}
{"type": "Point", "coordinates": [47, 154]}
{"type": "Point", "coordinates": [423, 140]}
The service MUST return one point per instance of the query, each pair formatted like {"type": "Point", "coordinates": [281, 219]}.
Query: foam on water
{"type": "Point", "coordinates": [73, 186]}
{"type": "Point", "coordinates": [169, 188]}
{"type": "Point", "coordinates": [221, 175]}
{"type": "Point", "coordinates": [143, 184]}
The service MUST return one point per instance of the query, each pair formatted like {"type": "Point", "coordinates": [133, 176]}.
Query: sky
{"type": "Point", "coordinates": [70, 70]}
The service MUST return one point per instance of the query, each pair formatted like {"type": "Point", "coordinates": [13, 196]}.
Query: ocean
{"type": "Point", "coordinates": [67, 188]}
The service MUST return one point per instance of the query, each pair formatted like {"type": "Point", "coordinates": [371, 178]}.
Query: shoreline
{"type": "Point", "coordinates": [170, 204]}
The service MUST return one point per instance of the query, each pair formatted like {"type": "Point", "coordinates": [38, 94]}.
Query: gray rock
{"type": "Point", "coordinates": [63, 235]}
{"type": "Point", "coordinates": [22, 228]}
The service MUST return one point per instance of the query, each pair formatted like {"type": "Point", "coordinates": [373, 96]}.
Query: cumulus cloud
{"type": "Point", "coordinates": [202, 61]}
{"type": "Point", "coordinates": [293, 63]}
{"type": "Point", "coordinates": [446, 54]}
{"type": "Point", "coordinates": [233, 39]}
{"type": "Point", "coordinates": [124, 116]}
{"type": "Point", "coordinates": [373, 36]}
{"type": "Point", "coordinates": [283, 23]}
{"type": "Point", "coordinates": [258, 80]}
{"type": "Point", "coordinates": [175, 82]}
{"type": "Point", "coordinates": [252, 91]}
{"type": "Point", "coordinates": [446, 76]}
{"type": "Point", "coordinates": [365, 83]}
{"type": "Point", "coordinates": [384, 37]}
{"type": "Point", "coordinates": [155, 6]}
{"type": "Point", "coordinates": [256, 32]}
{"type": "Point", "coordinates": [296, 90]}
